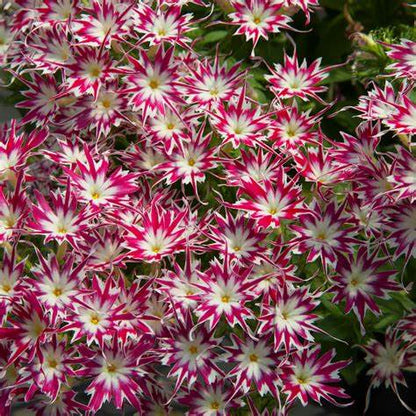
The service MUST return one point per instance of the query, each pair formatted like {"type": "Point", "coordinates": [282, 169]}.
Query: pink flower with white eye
{"type": "Point", "coordinates": [179, 288]}
{"type": "Point", "coordinates": [403, 120]}
{"type": "Point", "coordinates": [403, 177]}
{"type": "Point", "coordinates": [60, 220]}
{"type": "Point", "coordinates": [289, 317]}
{"type": "Point", "coordinates": [16, 148]}
{"type": "Point", "coordinates": [322, 233]}
{"type": "Point", "coordinates": [170, 129]}
{"type": "Point", "coordinates": [63, 405]}
{"type": "Point", "coordinates": [305, 5]}
{"type": "Point", "coordinates": [358, 282]}
{"type": "Point", "coordinates": [373, 182]}
{"type": "Point", "coordinates": [238, 237]}
{"type": "Point", "coordinates": [49, 370]}
{"type": "Point", "coordinates": [257, 18]}
{"type": "Point", "coordinates": [306, 375]}
{"type": "Point", "coordinates": [95, 313]}
{"type": "Point", "coordinates": [270, 202]}
{"type": "Point", "coordinates": [94, 184]}
{"type": "Point", "coordinates": [402, 227]}
{"type": "Point", "coordinates": [56, 286]}
{"type": "Point", "coordinates": [13, 211]}
{"type": "Point", "coordinates": [58, 11]}
{"type": "Point", "coordinates": [355, 152]}
{"type": "Point", "coordinates": [291, 129]}
{"type": "Point", "coordinates": [404, 54]}
{"type": "Point", "coordinates": [388, 360]}
{"type": "Point", "coordinates": [118, 373]}
{"type": "Point", "coordinates": [293, 80]}
{"type": "Point", "coordinates": [160, 233]}
{"type": "Point", "coordinates": [163, 25]}
{"type": "Point", "coordinates": [66, 152]}
{"type": "Point", "coordinates": [91, 69]}
{"type": "Point", "coordinates": [102, 113]}
{"type": "Point", "coordinates": [215, 399]}
{"type": "Point", "coordinates": [153, 85]}
{"type": "Point", "coordinates": [189, 352]}
{"type": "Point", "coordinates": [11, 282]}
{"type": "Point", "coordinates": [143, 159]}
{"type": "Point", "coordinates": [253, 163]}
{"type": "Point", "coordinates": [26, 327]}
{"type": "Point", "coordinates": [104, 251]}
{"type": "Point", "coordinates": [256, 363]}
{"type": "Point", "coordinates": [134, 299]}
{"type": "Point", "coordinates": [275, 271]}
{"type": "Point", "coordinates": [378, 103]}
{"type": "Point", "coordinates": [369, 217]}
{"type": "Point", "coordinates": [103, 22]}
{"type": "Point", "coordinates": [208, 84]}
{"type": "Point", "coordinates": [238, 123]}
{"type": "Point", "coordinates": [224, 291]}
{"type": "Point", "coordinates": [190, 163]}
{"type": "Point", "coordinates": [317, 165]}
{"type": "Point", "coordinates": [49, 50]}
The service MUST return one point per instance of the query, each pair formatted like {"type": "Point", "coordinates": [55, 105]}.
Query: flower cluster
{"type": "Point", "coordinates": [169, 241]}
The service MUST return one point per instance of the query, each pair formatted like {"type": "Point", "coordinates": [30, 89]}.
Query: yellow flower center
{"type": "Point", "coordinates": [95, 72]}
{"type": "Point", "coordinates": [193, 349]}
{"type": "Point", "coordinates": [215, 405]}
{"type": "Point", "coordinates": [111, 368]}
{"type": "Point", "coordinates": [6, 288]}
{"type": "Point", "coordinates": [170, 126]}
{"type": "Point", "coordinates": [191, 162]}
{"type": "Point", "coordinates": [153, 84]}
{"type": "Point", "coordinates": [95, 195]}
{"type": "Point", "coordinates": [52, 363]}
{"type": "Point", "coordinates": [225, 299]}
{"type": "Point", "coordinates": [95, 320]}
{"type": "Point", "coordinates": [57, 292]}
{"type": "Point", "coordinates": [253, 358]}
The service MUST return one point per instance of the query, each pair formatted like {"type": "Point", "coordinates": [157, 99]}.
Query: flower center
{"type": "Point", "coordinates": [321, 236]}
{"type": "Point", "coordinates": [106, 103]}
{"type": "Point", "coordinates": [111, 368]}
{"type": "Point", "coordinates": [95, 195]}
{"type": "Point", "coordinates": [193, 350]}
{"type": "Point", "coordinates": [191, 162]}
{"type": "Point", "coordinates": [253, 358]}
{"type": "Point", "coordinates": [170, 126]}
{"type": "Point", "coordinates": [95, 71]}
{"type": "Point", "coordinates": [57, 292]}
{"type": "Point", "coordinates": [95, 319]}
{"type": "Point", "coordinates": [6, 288]}
{"type": "Point", "coordinates": [153, 84]}
{"type": "Point", "coordinates": [225, 299]}
{"type": "Point", "coordinates": [156, 249]}
{"type": "Point", "coordinates": [52, 363]}
{"type": "Point", "coordinates": [215, 405]}
{"type": "Point", "coordinates": [272, 211]}
{"type": "Point", "coordinates": [62, 230]}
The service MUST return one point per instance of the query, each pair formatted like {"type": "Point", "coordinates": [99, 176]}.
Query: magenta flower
{"type": "Point", "coordinates": [308, 375]}
{"type": "Point", "coordinates": [293, 80]}
{"type": "Point", "coordinates": [258, 18]}
{"type": "Point", "coordinates": [270, 202]}
{"type": "Point", "coordinates": [358, 281]}
{"type": "Point", "coordinates": [289, 316]}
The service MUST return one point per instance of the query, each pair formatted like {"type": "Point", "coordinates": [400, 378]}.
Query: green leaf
{"type": "Point", "coordinates": [214, 36]}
